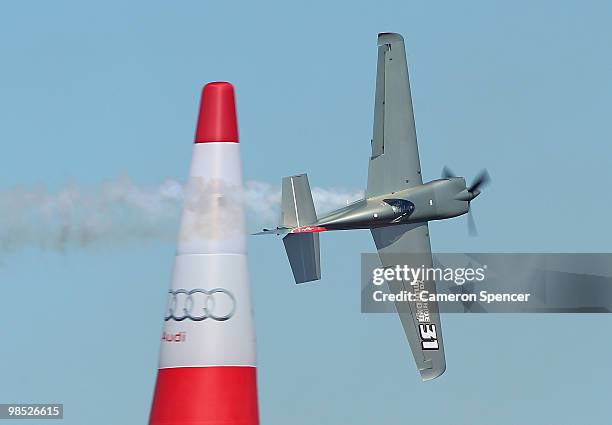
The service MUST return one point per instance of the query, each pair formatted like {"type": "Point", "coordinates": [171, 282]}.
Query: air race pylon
{"type": "Point", "coordinates": [207, 361]}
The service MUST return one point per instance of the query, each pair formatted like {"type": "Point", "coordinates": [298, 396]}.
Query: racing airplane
{"type": "Point", "coordinates": [396, 208]}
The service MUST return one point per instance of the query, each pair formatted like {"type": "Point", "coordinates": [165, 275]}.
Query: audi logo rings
{"type": "Point", "coordinates": [198, 304]}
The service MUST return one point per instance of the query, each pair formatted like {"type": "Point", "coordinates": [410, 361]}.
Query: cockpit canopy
{"type": "Point", "coordinates": [400, 206]}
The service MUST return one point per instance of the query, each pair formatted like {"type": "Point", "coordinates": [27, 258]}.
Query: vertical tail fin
{"type": "Point", "coordinates": [297, 209]}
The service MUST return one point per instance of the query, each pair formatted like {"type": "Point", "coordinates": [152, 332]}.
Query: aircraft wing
{"type": "Point", "coordinates": [408, 244]}
{"type": "Point", "coordinates": [394, 163]}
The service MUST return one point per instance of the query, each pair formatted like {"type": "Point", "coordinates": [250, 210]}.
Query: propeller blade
{"type": "Point", "coordinates": [447, 173]}
{"type": "Point", "coordinates": [481, 180]}
{"type": "Point", "coordinates": [472, 231]}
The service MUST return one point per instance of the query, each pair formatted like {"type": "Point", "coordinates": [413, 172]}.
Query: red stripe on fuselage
{"type": "Point", "coordinates": [309, 229]}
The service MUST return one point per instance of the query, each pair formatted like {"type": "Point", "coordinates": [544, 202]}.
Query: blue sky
{"type": "Point", "coordinates": [92, 92]}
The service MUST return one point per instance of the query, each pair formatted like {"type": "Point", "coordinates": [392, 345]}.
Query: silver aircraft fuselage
{"type": "Point", "coordinates": [436, 200]}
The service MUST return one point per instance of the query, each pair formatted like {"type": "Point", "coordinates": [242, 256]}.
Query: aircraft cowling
{"type": "Point", "coordinates": [437, 200]}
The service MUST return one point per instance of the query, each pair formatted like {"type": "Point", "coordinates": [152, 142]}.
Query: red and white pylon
{"type": "Point", "coordinates": [207, 372]}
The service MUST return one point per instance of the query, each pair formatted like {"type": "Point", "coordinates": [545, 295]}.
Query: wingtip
{"type": "Point", "coordinates": [430, 374]}
{"type": "Point", "coordinates": [389, 38]}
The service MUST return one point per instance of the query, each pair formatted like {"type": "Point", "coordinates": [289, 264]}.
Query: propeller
{"type": "Point", "coordinates": [447, 173]}
{"type": "Point", "coordinates": [481, 180]}
{"type": "Point", "coordinates": [472, 230]}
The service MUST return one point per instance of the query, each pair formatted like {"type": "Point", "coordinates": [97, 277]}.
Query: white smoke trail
{"type": "Point", "coordinates": [121, 211]}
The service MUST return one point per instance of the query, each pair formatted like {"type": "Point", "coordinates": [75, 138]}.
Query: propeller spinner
{"type": "Point", "coordinates": [481, 180]}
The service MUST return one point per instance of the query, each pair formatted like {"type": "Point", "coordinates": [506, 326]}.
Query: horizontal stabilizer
{"type": "Point", "coordinates": [304, 256]}
{"type": "Point", "coordinates": [297, 208]}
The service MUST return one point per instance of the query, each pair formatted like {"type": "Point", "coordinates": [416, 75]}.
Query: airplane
{"type": "Point", "coordinates": [397, 206]}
